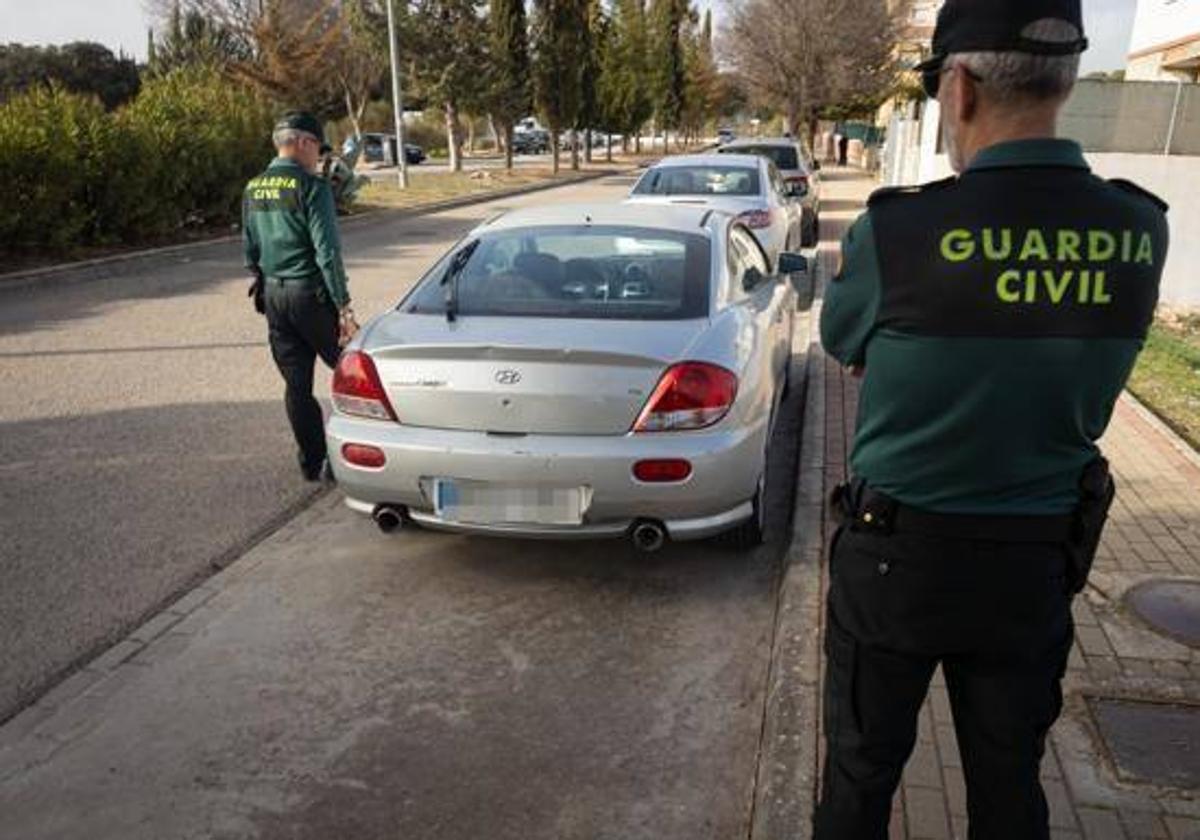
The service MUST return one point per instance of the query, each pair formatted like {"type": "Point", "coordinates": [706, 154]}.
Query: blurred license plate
{"type": "Point", "coordinates": [487, 503]}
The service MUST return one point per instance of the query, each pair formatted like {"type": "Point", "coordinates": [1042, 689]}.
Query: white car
{"type": "Point", "coordinates": [583, 371]}
{"type": "Point", "coordinates": [749, 187]}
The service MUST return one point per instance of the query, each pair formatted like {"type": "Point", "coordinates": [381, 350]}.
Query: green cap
{"type": "Point", "coordinates": [306, 122]}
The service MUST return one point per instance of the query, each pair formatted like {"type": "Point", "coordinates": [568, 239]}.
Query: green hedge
{"type": "Point", "coordinates": [176, 156]}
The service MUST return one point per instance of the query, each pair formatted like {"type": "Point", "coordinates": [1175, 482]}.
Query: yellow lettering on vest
{"type": "Point", "coordinates": [1002, 286]}
{"type": "Point", "coordinates": [1031, 278]}
{"type": "Point", "coordinates": [1057, 286]}
{"type": "Point", "coordinates": [1035, 246]}
{"type": "Point", "coordinates": [1126, 246]}
{"type": "Point", "coordinates": [1099, 295]}
{"type": "Point", "coordinates": [1085, 281]}
{"type": "Point", "coordinates": [1145, 251]}
{"type": "Point", "coordinates": [1101, 245]}
{"type": "Point", "coordinates": [993, 251]}
{"type": "Point", "coordinates": [958, 245]}
{"type": "Point", "coordinates": [1068, 246]}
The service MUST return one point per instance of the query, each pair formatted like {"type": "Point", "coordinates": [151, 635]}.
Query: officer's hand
{"type": "Point", "coordinates": [347, 326]}
{"type": "Point", "coordinates": [256, 291]}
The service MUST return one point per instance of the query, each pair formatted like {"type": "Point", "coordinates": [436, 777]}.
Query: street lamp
{"type": "Point", "coordinates": [397, 106]}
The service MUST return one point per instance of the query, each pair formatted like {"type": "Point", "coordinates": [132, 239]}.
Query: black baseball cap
{"type": "Point", "coordinates": [997, 26]}
{"type": "Point", "coordinates": [306, 122]}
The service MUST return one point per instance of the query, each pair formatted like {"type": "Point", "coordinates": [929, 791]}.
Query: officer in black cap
{"type": "Point", "coordinates": [994, 317]}
{"type": "Point", "coordinates": [290, 232]}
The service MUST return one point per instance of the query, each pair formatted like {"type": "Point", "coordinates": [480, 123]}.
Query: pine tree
{"type": "Point", "coordinates": [670, 73]}
{"type": "Point", "coordinates": [509, 98]}
{"type": "Point", "coordinates": [557, 41]}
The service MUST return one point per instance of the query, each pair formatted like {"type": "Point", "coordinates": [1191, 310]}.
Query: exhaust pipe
{"type": "Point", "coordinates": [648, 537]}
{"type": "Point", "coordinates": [388, 518]}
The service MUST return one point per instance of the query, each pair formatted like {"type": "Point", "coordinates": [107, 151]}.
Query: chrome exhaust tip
{"type": "Point", "coordinates": [648, 537]}
{"type": "Point", "coordinates": [388, 518]}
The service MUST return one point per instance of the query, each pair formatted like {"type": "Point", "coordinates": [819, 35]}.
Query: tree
{"type": "Point", "coordinates": [623, 91]}
{"type": "Point", "coordinates": [802, 55]}
{"type": "Point", "coordinates": [509, 97]}
{"type": "Point", "coordinates": [193, 39]}
{"type": "Point", "coordinates": [702, 91]}
{"type": "Point", "coordinates": [669, 71]}
{"type": "Point", "coordinates": [557, 46]}
{"type": "Point", "coordinates": [361, 59]}
{"type": "Point", "coordinates": [82, 67]}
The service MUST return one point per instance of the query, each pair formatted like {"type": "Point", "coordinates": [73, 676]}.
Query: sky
{"type": "Point", "coordinates": [121, 25]}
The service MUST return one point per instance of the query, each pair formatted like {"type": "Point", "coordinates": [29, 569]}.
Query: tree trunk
{"type": "Point", "coordinates": [792, 119]}
{"type": "Point", "coordinates": [454, 137]}
{"type": "Point", "coordinates": [498, 136]}
{"type": "Point", "coordinates": [507, 131]}
{"type": "Point", "coordinates": [470, 134]}
{"type": "Point", "coordinates": [575, 150]}
{"type": "Point", "coordinates": [637, 142]}
{"type": "Point", "coordinates": [554, 146]}
{"type": "Point", "coordinates": [587, 145]}
{"type": "Point", "coordinates": [608, 147]}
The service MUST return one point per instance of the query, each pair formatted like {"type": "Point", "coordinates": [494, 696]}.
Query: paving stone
{"type": "Point", "coordinates": [925, 813]}
{"type": "Point", "coordinates": [1104, 666]}
{"type": "Point", "coordinates": [1183, 828]}
{"type": "Point", "coordinates": [1138, 668]}
{"type": "Point", "coordinates": [1093, 641]}
{"type": "Point", "coordinates": [155, 627]}
{"type": "Point", "coordinates": [956, 791]}
{"type": "Point", "coordinates": [1143, 826]}
{"type": "Point", "coordinates": [1171, 670]}
{"type": "Point", "coordinates": [1061, 813]}
{"type": "Point", "coordinates": [923, 768]}
{"type": "Point", "coordinates": [1101, 825]}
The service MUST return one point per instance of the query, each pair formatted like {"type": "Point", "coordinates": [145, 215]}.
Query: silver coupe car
{"type": "Point", "coordinates": [578, 371]}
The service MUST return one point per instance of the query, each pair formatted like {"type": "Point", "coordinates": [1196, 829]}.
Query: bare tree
{"type": "Point", "coordinates": [802, 55]}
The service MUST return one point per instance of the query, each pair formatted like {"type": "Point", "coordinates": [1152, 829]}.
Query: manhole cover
{"type": "Point", "coordinates": [1171, 607]}
{"type": "Point", "coordinates": [1152, 742]}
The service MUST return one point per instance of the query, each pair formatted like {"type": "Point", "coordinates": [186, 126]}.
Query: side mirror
{"type": "Point", "coordinates": [752, 279]}
{"type": "Point", "coordinates": [790, 263]}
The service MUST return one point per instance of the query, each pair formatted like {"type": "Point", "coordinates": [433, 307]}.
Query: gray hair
{"type": "Point", "coordinates": [1012, 77]}
{"type": "Point", "coordinates": [288, 137]}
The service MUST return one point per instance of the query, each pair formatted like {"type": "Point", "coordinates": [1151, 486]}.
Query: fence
{"type": "Point", "coordinates": [1134, 117]}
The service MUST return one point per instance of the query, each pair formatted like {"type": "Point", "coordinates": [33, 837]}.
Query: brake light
{"type": "Point", "coordinates": [799, 181]}
{"type": "Point", "coordinates": [357, 390]}
{"type": "Point", "coordinates": [662, 470]}
{"type": "Point", "coordinates": [756, 218]}
{"type": "Point", "coordinates": [690, 395]}
{"type": "Point", "coordinates": [363, 455]}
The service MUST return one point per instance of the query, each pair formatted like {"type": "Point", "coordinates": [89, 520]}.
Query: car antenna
{"type": "Point", "coordinates": [450, 279]}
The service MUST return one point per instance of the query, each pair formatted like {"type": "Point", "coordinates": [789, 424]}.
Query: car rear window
{"type": "Point", "coordinates": [699, 180]}
{"type": "Point", "coordinates": [575, 271]}
{"type": "Point", "coordinates": [784, 157]}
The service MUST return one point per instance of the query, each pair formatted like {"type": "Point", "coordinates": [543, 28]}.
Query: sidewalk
{"type": "Point", "coordinates": [1154, 532]}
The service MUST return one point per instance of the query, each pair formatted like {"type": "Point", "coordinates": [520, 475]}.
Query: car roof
{"type": "Point", "coordinates": [749, 161]}
{"type": "Point", "coordinates": [762, 141]}
{"type": "Point", "coordinates": [680, 218]}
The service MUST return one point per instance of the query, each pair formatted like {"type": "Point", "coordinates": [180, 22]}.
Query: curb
{"type": "Point", "coordinates": [1151, 417]}
{"type": "Point", "coordinates": [94, 269]}
{"type": "Point", "coordinates": [785, 786]}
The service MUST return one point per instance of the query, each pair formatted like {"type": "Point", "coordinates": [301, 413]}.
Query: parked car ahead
{"type": "Point", "coordinates": [533, 141]}
{"type": "Point", "coordinates": [800, 171]}
{"type": "Point", "coordinates": [373, 148]}
{"type": "Point", "coordinates": [725, 135]}
{"type": "Point", "coordinates": [600, 370]}
{"type": "Point", "coordinates": [747, 186]}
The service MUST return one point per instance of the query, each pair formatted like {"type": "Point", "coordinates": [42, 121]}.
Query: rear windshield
{"type": "Point", "coordinates": [699, 180]}
{"type": "Point", "coordinates": [575, 272]}
{"type": "Point", "coordinates": [784, 157]}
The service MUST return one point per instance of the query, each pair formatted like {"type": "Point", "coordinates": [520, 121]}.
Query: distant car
{"type": "Point", "coordinates": [747, 186]}
{"type": "Point", "coordinates": [585, 371]}
{"type": "Point", "coordinates": [373, 148]}
{"type": "Point", "coordinates": [532, 141]}
{"type": "Point", "coordinates": [800, 171]}
{"type": "Point", "coordinates": [725, 135]}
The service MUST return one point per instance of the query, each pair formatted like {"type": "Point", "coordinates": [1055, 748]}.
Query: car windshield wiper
{"type": "Point", "coordinates": [450, 279]}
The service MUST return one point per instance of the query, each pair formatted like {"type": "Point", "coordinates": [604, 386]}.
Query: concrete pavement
{"type": "Point", "coordinates": [143, 438]}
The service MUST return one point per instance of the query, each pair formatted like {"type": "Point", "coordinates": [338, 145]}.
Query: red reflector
{"type": "Point", "coordinates": [662, 470]}
{"type": "Point", "coordinates": [361, 455]}
{"type": "Point", "coordinates": [357, 389]}
{"type": "Point", "coordinates": [690, 395]}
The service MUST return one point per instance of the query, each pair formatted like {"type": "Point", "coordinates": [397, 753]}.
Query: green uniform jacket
{"type": "Point", "coordinates": [289, 229]}
{"type": "Point", "coordinates": [998, 317]}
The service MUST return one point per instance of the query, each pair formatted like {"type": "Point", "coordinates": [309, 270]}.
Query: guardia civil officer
{"type": "Point", "coordinates": [995, 317]}
{"type": "Point", "coordinates": [290, 233]}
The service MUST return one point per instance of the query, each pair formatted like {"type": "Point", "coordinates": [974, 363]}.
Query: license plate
{"type": "Point", "coordinates": [491, 503]}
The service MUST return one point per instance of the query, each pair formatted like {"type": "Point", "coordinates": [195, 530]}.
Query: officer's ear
{"type": "Point", "coordinates": [966, 93]}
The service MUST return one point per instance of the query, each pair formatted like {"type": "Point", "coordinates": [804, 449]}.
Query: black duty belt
{"type": "Point", "coordinates": [858, 507]}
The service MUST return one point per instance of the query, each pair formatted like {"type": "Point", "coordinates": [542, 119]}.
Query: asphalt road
{"type": "Point", "coordinates": [143, 437]}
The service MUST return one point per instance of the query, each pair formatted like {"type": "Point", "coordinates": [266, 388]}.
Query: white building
{"type": "Point", "coordinates": [1165, 44]}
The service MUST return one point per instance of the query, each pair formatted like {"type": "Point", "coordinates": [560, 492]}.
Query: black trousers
{"type": "Point", "coordinates": [997, 617]}
{"type": "Point", "coordinates": [303, 325]}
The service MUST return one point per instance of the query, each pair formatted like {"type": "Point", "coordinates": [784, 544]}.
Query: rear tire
{"type": "Point", "coordinates": [812, 233]}
{"type": "Point", "coordinates": [753, 532]}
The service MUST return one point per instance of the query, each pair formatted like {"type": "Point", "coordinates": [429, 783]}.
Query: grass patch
{"type": "Point", "coordinates": [429, 187]}
{"type": "Point", "coordinates": [1167, 375]}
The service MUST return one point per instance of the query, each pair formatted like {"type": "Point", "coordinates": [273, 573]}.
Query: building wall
{"type": "Point", "coordinates": [1159, 22]}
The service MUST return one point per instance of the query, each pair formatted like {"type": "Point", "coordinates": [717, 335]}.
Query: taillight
{"type": "Point", "coordinates": [662, 470]}
{"type": "Point", "coordinates": [756, 218]}
{"type": "Point", "coordinates": [690, 395]}
{"type": "Point", "coordinates": [357, 389]}
{"type": "Point", "coordinates": [363, 455]}
{"type": "Point", "coordinates": [800, 181]}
